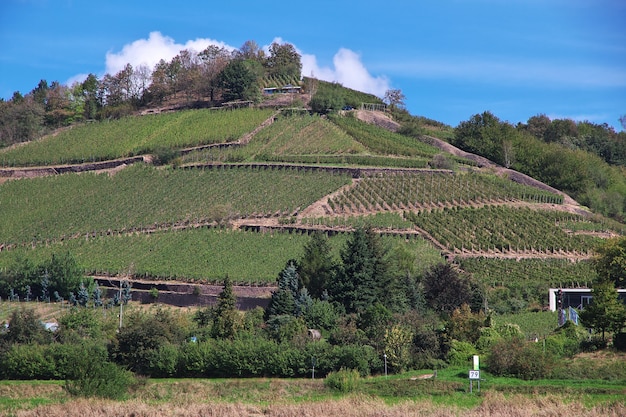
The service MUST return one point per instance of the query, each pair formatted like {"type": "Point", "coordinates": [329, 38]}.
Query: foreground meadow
{"type": "Point", "coordinates": [400, 395]}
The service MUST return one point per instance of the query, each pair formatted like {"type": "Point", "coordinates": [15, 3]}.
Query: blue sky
{"type": "Point", "coordinates": [451, 58]}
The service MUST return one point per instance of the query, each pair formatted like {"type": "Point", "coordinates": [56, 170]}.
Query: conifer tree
{"type": "Point", "coordinates": [225, 316]}
{"type": "Point", "coordinates": [284, 299]}
{"type": "Point", "coordinates": [316, 268]}
{"type": "Point", "coordinates": [355, 287]}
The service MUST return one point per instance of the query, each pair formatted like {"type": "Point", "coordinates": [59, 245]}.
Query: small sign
{"type": "Point", "coordinates": [476, 364]}
{"type": "Point", "coordinates": [474, 374]}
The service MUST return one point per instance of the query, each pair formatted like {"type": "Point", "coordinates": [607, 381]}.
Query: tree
{"type": "Point", "coordinates": [316, 268]}
{"type": "Point", "coordinates": [284, 61]}
{"type": "Point", "coordinates": [605, 312]}
{"type": "Point", "coordinates": [445, 289]}
{"type": "Point", "coordinates": [394, 98]}
{"type": "Point", "coordinates": [26, 327]}
{"type": "Point", "coordinates": [610, 261]}
{"type": "Point", "coordinates": [64, 272]}
{"type": "Point", "coordinates": [225, 316]}
{"type": "Point", "coordinates": [354, 286]}
{"type": "Point", "coordinates": [283, 301]}
{"type": "Point", "coordinates": [238, 81]}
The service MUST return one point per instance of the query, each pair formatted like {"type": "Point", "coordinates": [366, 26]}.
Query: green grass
{"type": "Point", "coordinates": [136, 135]}
{"type": "Point", "coordinates": [532, 324]}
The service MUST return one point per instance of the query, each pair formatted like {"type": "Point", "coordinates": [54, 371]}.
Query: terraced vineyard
{"type": "Point", "coordinates": [145, 197]}
{"type": "Point", "coordinates": [431, 189]}
{"type": "Point", "coordinates": [205, 254]}
{"type": "Point", "coordinates": [502, 229]}
{"type": "Point", "coordinates": [136, 135]}
{"type": "Point", "coordinates": [183, 223]}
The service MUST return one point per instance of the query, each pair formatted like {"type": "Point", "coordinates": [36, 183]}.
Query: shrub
{"type": "Point", "coordinates": [100, 379]}
{"type": "Point", "coordinates": [520, 359]}
{"type": "Point", "coordinates": [343, 380]}
{"type": "Point", "coordinates": [619, 342]}
{"type": "Point", "coordinates": [461, 353]}
{"type": "Point", "coordinates": [26, 361]}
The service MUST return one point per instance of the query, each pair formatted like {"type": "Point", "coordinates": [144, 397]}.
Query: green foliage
{"type": "Point", "coordinates": [284, 300]}
{"type": "Point", "coordinates": [80, 323]}
{"type": "Point", "coordinates": [321, 315]}
{"type": "Point", "coordinates": [460, 353]}
{"type": "Point", "coordinates": [344, 380]}
{"type": "Point", "coordinates": [93, 376]}
{"type": "Point", "coordinates": [362, 273]}
{"type": "Point", "coordinates": [226, 318]}
{"type": "Point", "coordinates": [520, 359]}
{"type": "Point", "coordinates": [25, 327]}
{"type": "Point", "coordinates": [316, 267]}
{"type": "Point", "coordinates": [610, 261]}
{"type": "Point", "coordinates": [141, 345]}
{"type": "Point", "coordinates": [605, 313]}
{"type": "Point", "coordinates": [239, 81]}
{"type": "Point", "coordinates": [445, 289]}
{"type": "Point", "coordinates": [26, 361]}
{"type": "Point", "coordinates": [397, 343]}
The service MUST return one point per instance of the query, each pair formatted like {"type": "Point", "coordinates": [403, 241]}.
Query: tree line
{"type": "Point", "coordinates": [191, 78]}
{"type": "Point", "coordinates": [370, 314]}
{"type": "Point", "coordinates": [583, 159]}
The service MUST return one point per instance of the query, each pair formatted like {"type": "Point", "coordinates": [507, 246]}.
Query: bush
{"type": "Point", "coordinates": [520, 359]}
{"type": "Point", "coordinates": [343, 380]}
{"type": "Point", "coordinates": [92, 375]}
{"type": "Point", "coordinates": [619, 342]}
{"type": "Point", "coordinates": [27, 361]}
{"type": "Point", "coordinates": [99, 379]}
{"type": "Point", "coordinates": [461, 353]}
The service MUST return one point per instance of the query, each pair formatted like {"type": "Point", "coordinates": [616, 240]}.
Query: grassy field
{"type": "Point", "coordinates": [398, 395]}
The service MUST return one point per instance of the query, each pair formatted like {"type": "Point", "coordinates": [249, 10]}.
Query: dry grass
{"type": "Point", "coordinates": [494, 404]}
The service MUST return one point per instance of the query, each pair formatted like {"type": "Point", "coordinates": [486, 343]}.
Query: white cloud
{"type": "Point", "coordinates": [150, 51]}
{"type": "Point", "coordinates": [348, 70]}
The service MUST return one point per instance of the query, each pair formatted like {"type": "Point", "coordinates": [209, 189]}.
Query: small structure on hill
{"type": "Point", "coordinates": [576, 298]}
{"type": "Point", "coordinates": [287, 89]}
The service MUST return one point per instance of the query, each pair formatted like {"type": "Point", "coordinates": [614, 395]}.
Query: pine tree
{"type": "Point", "coordinates": [126, 294]}
{"type": "Point", "coordinates": [316, 268]}
{"type": "Point", "coordinates": [45, 285]}
{"type": "Point", "coordinates": [354, 286]}
{"type": "Point", "coordinates": [83, 296]}
{"type": "Point", "coordinates": [284, 298]}
{"type": "Point", "coordinates": [225, 315]}
{"type": "Point", "coordinates": [97, 296]}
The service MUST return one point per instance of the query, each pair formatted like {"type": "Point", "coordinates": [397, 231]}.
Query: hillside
{"type": "Point", "coordinates": [196, 195]}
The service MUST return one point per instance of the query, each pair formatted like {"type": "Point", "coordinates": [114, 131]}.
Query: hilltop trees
{"type": "Point", "coordinates": [188, 79]}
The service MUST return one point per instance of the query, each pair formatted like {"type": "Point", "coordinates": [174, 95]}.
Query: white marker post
{"type": "Point", "coordinates": [474, 374]}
